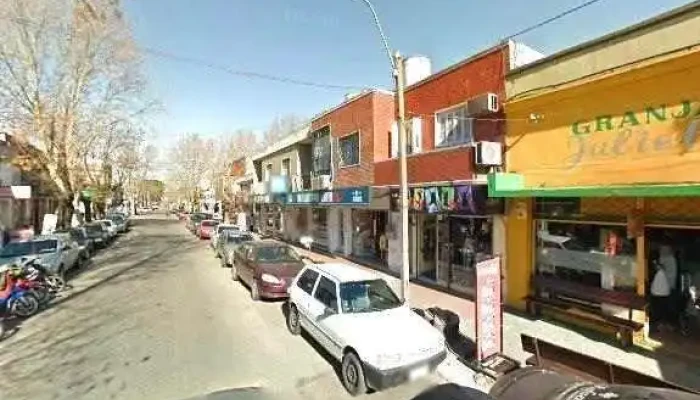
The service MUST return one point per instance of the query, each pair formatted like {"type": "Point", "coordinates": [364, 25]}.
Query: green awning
{"type": "Point", "coordinates": [513, 185]}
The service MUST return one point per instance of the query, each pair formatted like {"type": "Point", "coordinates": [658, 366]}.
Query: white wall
{"type": "Point", "coordinates": [334, 245]}
{"type": "Point", "coordinates": [498, 239]}
{"type": "Point", "coordinates": [347, 226]}
{"type": "Point", "coordinates": [394, 256]}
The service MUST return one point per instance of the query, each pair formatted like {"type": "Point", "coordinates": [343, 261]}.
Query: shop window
{"type": "Point", "coordinates": [349, 147]}
{"type": "Point", "coordinates": [558, 206]}
{"type": "Point", "coordinates": [368, 228]}
{"type": "Point", "coordinates": [594, 255]}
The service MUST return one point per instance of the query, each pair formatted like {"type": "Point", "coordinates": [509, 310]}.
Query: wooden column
{"type": "Point", "coordinates": [641, 260]}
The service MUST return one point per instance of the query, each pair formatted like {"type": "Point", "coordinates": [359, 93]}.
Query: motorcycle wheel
{"type": "Point", "coordinates": [25, 306]}
{"type": "Point", "coordinates": [56, 282]}
{"type": "Point", "coordinates": [42, 294]}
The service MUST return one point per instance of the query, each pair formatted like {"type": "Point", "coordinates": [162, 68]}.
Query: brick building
{"type": "Point", "coordinates": [455, 126]}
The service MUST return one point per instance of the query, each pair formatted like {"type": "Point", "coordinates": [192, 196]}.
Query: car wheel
{"type": "Point", "coordinates": [293, 320]}
{"type": "Point", "coordinates": [234, 272]}
{"type": "Point", "coordinates": [353, 374]}
{"type": "Point", "coordinates": [254, 291]}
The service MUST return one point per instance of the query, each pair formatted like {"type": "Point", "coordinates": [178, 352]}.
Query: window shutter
{"type": "Point", "coordinates": [417, 135]}
{"type": "Point", "coordinates": [394, 139]}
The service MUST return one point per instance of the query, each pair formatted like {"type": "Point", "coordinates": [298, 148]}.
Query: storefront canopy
{"type": "Point", "coordinates": [513, 185]}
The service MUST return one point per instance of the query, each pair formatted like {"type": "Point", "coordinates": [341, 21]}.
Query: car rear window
{"type": "Point", "coordinates": [209, 223]}
{"type": "Point", "coordinates": [307, 280]}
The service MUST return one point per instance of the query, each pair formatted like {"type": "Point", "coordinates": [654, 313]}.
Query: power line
{"type": "Point", "coordinates": [552, 19]}
{"type": "Point", "coordinates": [248, 74]}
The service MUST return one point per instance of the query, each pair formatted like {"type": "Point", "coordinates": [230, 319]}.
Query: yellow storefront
{"type": "Point", "coordinates": [603, 174]}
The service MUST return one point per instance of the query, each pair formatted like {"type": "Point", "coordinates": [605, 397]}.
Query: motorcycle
{"type": "Point", "coordinates": [31, 269]}
{"type": "Point", "coordinates": [14, 300]}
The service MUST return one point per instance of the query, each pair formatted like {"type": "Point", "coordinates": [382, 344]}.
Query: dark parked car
{"type": "Point", "coordinates": [267, 267]}
{"type": "Point", "coordinates": [99, 234]}
{"type": "Point", "coordinates": [228, 243]}
{"type": "Point", "coordinates": [79, 235]}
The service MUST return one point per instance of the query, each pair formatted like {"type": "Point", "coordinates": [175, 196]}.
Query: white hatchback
{"type": "Point", "coordinates": [379, 341]}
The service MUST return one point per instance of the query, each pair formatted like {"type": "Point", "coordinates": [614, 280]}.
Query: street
{"type": "Point", "coordinates": [156, 317]}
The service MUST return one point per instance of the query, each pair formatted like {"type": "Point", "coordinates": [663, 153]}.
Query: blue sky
{"type": "Point", "coordinates": [330, 41]}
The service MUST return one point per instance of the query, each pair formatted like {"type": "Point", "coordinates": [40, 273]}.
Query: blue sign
{"type": "Point", "coordinates": [279, 184]}
{"type": "Point", "coordinates": [346, 196]}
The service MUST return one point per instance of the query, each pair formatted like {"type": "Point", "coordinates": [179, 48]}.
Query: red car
{"type": "Point", "coordinates": [267, 267]}
{"type": "Point", "coordinates": [207, 228]}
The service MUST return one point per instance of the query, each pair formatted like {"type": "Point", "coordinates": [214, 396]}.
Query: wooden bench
{"type": "Point", "coordinates": [559, 359]}
{"type": "Point", "coordinates": [584, 303]}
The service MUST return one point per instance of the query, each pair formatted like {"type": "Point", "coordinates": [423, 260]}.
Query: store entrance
{"type": "Point", "coordinates": [673, 276]}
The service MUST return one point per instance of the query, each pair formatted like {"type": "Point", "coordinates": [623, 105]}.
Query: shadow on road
{"type": "Point", "coordinates": [452, 391]}
{"type": "Point", "coordinates": [67, 337]}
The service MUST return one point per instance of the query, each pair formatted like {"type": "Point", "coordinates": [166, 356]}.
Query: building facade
{"type": "Point", "coordinates": [453, 117]}
{"type": "Point", "coordinates": [602, 170]}
{"type": "Point", "coordinates": [344, 213]}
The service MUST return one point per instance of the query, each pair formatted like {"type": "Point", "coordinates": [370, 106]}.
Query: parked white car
{"type": "Point", "coordinates": [111, 227]}
{"type": "Point", "coordinates": [379, 341]}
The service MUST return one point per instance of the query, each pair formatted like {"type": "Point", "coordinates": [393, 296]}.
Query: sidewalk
{"type": "Point", "coordinates": [661, 365]}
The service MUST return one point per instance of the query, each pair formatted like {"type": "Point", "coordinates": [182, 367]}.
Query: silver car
{"type": "Point", "coordinates": [55, 253]}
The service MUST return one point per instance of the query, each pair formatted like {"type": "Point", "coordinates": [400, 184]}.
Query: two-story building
{"type": "Point", "coordinates": [238, 189]}
{"type": "Point", "coordinates": [281, 168]}
{"type": "Point", "coordinates": [455, 124]}
{"type": "Point", "coordinates": [347, 214]}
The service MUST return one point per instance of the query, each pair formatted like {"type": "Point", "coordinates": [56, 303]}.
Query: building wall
{"type": "Point", "coordinates": [636, 127]}
{"type": "Point", "coordinates": [483, 74]}
{"type": "Point", "coordinates": [362, 115]}
{"type": "Point", "coordinates": [453, 164]}
{"type": "Point", "coordinates": [276, 160]}
{"type": "Point", "coordinates": [668, 33]}
{"type": "Point", "coordinates": [384, 112]}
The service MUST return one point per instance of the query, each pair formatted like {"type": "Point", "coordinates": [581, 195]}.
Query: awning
{"type": "Point", "coordinates": [513, 185]}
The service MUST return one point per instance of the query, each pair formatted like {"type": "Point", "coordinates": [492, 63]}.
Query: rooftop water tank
{"type": "Point", "coordinates": [417, 69]}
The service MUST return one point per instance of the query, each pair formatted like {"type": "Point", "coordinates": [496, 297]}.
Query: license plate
{"type": "Point", "coordinates": [418, 372]}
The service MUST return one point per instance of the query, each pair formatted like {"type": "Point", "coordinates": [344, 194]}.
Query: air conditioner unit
{"type": "Point", "coordinates": [321, 182]}
{"type": "Point", "coordinates": [489, 153]}
{"type": "Point", "coordinates": [483, 104]}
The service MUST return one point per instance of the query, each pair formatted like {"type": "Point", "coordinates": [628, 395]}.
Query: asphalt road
{"type": "Point", "coordinates": [156, 317]}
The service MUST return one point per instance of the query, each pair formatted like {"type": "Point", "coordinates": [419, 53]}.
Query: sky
{"type": "Point", "coordinates": [332, 42]}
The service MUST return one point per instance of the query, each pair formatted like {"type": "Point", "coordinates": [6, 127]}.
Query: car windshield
{"type": "Point", "coordinates": [116, 218]}
{"type": "Point", "coordinates": [18, 249]}
{"type": "Point", "coordinates": [367, 296]}
{"type": "Point", "coordinates": [239, 238]}
{"type": "Point", "coordinates": [274, 254]}
{"type": "Point", "coordinates": [93, 229]}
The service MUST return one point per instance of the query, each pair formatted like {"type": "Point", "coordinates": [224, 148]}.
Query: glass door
{"type": "Point", "coordinates": [427, 243]}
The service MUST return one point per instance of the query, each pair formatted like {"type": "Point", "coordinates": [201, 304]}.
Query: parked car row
{"type": "Point", "coordinates": [377, 340]}
{"type": "Point", "coordinates": [55, 255]}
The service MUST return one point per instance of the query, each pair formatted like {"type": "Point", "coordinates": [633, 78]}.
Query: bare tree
{"type": "Point", "coordinates": [68, 73]}
{"type": "Point", "coordinates": [190, 164]}
{"type": "Point", "coordinates": [282, 126]}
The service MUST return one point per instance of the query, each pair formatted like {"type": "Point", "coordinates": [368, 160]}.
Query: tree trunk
{"type": "Point", "coordinates": [65, 212]}
{"type": "Point", "coordinates": [88, 210]}
{"type": "Point", "coordinates": [100, 208]}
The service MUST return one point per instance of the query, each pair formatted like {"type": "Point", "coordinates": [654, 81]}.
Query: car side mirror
{"type": "Point", "coordinates": [328, 312]}
{"type": "Point", "coordinates": [306, 260]}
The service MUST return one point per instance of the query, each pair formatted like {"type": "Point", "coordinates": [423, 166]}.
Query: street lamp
{"type": "Point", "coordinates": [397, 68]}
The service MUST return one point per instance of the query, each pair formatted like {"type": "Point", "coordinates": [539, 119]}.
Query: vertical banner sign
{"type": "Point", "coordinates": [489, 315]}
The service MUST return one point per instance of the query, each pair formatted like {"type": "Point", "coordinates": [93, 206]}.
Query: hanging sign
{"type": "Point", "coordinates": [489, 314]}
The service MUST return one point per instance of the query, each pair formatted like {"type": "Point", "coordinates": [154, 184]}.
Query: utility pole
{"type": "Point", "coordinates": [398, 70]}
{"type": "Point", "coordinates": [399, 77]}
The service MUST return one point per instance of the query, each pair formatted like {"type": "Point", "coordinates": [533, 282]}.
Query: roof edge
{"type": "Point", "coordinates": [618, 34]}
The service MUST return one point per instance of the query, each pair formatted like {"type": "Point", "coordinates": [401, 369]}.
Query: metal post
{"type": "Point", "coordinates": [405, 265]}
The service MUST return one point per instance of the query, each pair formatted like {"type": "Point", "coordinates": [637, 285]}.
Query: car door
{"type": "Point", "coordinates": [301, 295]}
{"type": "Point", "coordinates": [250, 264]}
{"type": "Point", "coordinates": [70, 253]}
{"type": "Point", "coordinates": [323, 310]}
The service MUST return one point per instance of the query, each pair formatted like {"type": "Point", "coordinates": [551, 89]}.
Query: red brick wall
{"type": "Point", "coordinates": [437, 166]}
{"type": "Point", "coordinates": [479, 76]}
{"type": "Point", "coordinates": [365, 114]}
{"type": "Point", "coordinates": [384, 111]}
